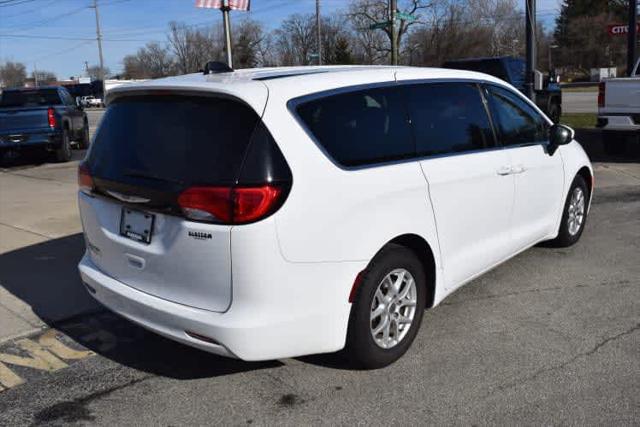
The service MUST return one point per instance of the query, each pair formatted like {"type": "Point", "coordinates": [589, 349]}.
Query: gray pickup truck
{"type": "Point", "coordinates": [45, 118]}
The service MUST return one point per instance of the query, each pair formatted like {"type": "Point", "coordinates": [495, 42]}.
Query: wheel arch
{"type": "Point", "coordinates": [587, 175]}
{"type": "Point", "coordinates": [422, 249]}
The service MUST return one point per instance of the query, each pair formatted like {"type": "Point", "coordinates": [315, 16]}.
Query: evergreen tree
{"type": "Point", "coordinates": [342, 52]}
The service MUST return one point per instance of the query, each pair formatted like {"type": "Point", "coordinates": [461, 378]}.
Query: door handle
{"type": "Point", "coordinates": [518, 169]}
{"type": "Point", "coordinates": [504, 170]}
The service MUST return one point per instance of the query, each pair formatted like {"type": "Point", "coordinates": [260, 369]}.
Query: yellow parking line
{"type": "Point", "coordinates": [44, 355]}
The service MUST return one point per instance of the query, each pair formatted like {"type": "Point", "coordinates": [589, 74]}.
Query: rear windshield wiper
{"type": "Point", "coordinates": [146, 175]}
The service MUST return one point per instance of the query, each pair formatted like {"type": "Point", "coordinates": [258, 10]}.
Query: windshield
{"type": "Point", "coordinates": [30, 98]}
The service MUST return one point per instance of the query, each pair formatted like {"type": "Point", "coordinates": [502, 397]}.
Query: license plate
{"type": "Point", "coordinates": [136, 225]}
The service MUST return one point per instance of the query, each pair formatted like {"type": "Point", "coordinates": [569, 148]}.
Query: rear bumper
{"type": "Point", "coordinates": [249, 330]}
{"type": "Point", "coordinates": [25, 140]}
{"type": "Point", "coordinates": [617, 122]}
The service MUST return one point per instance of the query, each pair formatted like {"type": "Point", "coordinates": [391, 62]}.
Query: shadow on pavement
{"type": "Point", "coordinates": [627, 149]}
{"type": "Point", "coordinates": [45, 277]}
{"type": "Point", "coordinates": [29, 158]}
{"type": "Point", "coordinates": [128, 344]}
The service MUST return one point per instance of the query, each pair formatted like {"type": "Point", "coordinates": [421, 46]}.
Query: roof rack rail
{"type": "Point", "coordinates": [215, 67]}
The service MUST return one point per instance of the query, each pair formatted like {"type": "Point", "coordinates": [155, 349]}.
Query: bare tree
{"type": "Point", "coordinates": [12, 74]}
{"type": "Point", "coordinates": [365, 13]}
{"type": "Point", "coordinates": [248, 36]}
{"type": "Point", "coordinates": [94, 72]}
{"type": "Point", "coordinates": [44, 77]}
{"type": "Point", "coordinates": [477, 28]}
{"type": "Point", "coordinates": [192, 48]}
{"type": "Point", "coordinates": [336, 40]}
{"type": "Point", "coordinates": [150, 62]}
{"type": "Point", "coordinates": [295, 40]}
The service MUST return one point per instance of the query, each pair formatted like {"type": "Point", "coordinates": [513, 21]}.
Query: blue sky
{"type": "Point", "coordinates": [59, 35]}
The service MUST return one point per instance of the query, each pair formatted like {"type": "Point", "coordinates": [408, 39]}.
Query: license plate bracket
{"type": "Point", "coordinates": [136, 225]}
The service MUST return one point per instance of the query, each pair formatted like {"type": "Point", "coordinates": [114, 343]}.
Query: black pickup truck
{"type": "Point", "coordinates": [44, 118]}
{"type": "Point", "coordinates": [512, 70]}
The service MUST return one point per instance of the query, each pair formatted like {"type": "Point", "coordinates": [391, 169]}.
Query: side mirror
{"type": "Point", "coordinates": [559, 135]}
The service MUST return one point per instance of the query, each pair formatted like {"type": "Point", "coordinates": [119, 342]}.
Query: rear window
{"type": "Point", "coordinates": [30, 98]}
{"type": "Point", "coordinates": [172, 140]}
{"type": "Point", "coordinates": [363, 127]}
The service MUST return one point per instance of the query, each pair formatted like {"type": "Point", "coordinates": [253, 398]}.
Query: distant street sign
{"type": "Point", "coordinates": [379, 25]}
{"type": "Point", "coordinates": [619, 29]}
{"type": "Point", "coordinates": [405, 16]}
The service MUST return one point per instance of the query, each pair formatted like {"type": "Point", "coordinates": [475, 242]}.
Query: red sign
{"type": "Point", "coordinates": [619, 29]}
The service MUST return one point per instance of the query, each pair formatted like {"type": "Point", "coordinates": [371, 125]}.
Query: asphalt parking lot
{"type": "Point", "coordinates": [550, 337]}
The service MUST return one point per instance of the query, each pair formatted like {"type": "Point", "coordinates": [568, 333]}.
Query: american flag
{"type": "Point", "coordinates": [217, 4]}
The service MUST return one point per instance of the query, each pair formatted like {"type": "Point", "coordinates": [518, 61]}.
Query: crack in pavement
{"type": "Point", "coordinates": [566, 363]}
{"type": "Point", "coordinates": [39, 178]}
{"type": "Point", "coordinates": [15, 227]}
{"type": "Point", "coordinates": [538, 290]}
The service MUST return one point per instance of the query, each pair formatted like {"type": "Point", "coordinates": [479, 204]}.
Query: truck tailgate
{"type": "Point", "coordinates": [19, 120]}
{"type": "Point", "coordinates": [623, 95]}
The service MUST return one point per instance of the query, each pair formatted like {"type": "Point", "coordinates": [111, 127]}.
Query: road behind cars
{"type": "Point", "coordinates": [552, 336]}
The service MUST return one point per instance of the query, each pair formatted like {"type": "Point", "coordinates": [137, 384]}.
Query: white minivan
{"type": "Point", "coordinates": [273, 213]}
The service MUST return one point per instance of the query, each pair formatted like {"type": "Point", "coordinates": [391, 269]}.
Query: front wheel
{"type": "Point", "coordinates": [574, 215]}
{"type": "Point", "coordinates": [388, 308]}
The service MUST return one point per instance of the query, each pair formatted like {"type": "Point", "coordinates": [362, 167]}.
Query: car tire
{"type": "Point", "coordinates": [84, 139]}
{"type": "Point", "coordinates": [574, 214]}
{"type": "Point", "coordinates": [375, 287]}
{"type": "Point", "coordinates": [63, 154]}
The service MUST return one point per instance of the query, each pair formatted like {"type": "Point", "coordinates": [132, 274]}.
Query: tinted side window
{"type": "Point", "coordinates": [448, 118]}
{"type": "Point", "coordinates": [363, 127]}
{"type": "Point", "coordinates": [516, 120]}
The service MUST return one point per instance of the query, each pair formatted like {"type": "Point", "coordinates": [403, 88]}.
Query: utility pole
{"type": "Point", "coordinates": [99, 39]}
{"type": "Point", "coordinates": [632, 40]}
{"type": "Point", "coordinates": [35, 74]}
{"type": "Point", "coordinates": [318, 32]}
{"type": "Point", "coordinates": [393, 8]}
{"type": "Point", "coordinates": [227, 31]}
{"type": "Point", "coordinates": [530, 16]}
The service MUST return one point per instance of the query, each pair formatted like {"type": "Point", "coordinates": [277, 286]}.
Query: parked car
{"type": "Point", "coordinates": [512, 70]}
{"type": "Point", "coordinates": [91, 102]}
{"type": "Point", "coordinates": [285, 212]}
{"type": "Point", "coordinates": [45, 118]}
{"type": "Point", "coordinates": [619, 111]}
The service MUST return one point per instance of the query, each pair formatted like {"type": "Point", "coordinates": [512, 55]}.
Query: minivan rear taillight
{"type": "Point", "coordinates": [231, 205]}
{"type": "Point", "coordinates": [601, 94]}
{"type": "Point", "coordinates": [51, 116]}
{"type": "Point", "coordinates": [85, 180]}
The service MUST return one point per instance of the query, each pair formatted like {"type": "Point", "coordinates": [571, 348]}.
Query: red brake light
{"type": "Point", "coordinates": [85, 181]}
{"type": "Point", "coordinates": [207, 203]}
{"type": "Point", "coordinates": [51, 116]}
{"type": "Point", "coordinates": [601, 93]}
{"type": "Point", "coordinates": [230, 205]}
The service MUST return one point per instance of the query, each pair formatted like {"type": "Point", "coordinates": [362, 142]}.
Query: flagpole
{"type": "Point", "coordinates": [227, 31]}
